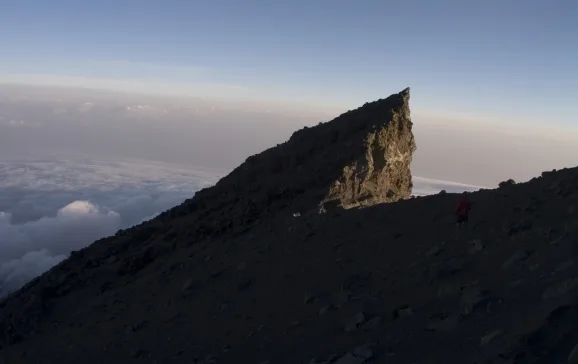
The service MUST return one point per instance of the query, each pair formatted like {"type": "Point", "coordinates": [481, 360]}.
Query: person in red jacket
{"type": "Point", "coordinates": [463, 208]}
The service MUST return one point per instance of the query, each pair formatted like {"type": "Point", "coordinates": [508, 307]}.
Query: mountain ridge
{"type": "Point", "coordinates": [279, 263]}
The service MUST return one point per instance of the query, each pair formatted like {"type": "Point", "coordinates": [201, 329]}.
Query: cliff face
{"type": "Point", "coordinates": [360, 158]}
{"type": "Point", "coordinates": [379, 169]}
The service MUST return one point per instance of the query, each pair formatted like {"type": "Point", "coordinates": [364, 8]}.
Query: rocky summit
{"type": "Point", "coordinates": [313, 252]}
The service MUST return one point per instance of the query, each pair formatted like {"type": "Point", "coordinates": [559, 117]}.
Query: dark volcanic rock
{"type": "Point", "coordinates": [249, 271]}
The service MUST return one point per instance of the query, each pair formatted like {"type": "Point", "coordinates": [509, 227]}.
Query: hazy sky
{"type": "Point", "coordinates": [514, 58]}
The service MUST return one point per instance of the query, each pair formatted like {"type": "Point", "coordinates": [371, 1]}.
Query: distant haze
{"type": "Point", "coordinates": [486, 152]}
{"type": "Point", "coordinates": [219, 135]}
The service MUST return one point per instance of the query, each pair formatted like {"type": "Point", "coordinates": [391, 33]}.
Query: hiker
{"type": "Point", "coordinates": [462, 212]}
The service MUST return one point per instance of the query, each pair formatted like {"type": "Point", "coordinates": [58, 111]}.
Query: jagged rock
{"type": "Point", "coordinates": [381, 173]}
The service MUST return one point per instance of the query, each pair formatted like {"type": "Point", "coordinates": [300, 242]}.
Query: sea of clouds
{"type": "Point", "coordinates": [49, 208]}
{"type": "Point", "coordinates": [428, 186]}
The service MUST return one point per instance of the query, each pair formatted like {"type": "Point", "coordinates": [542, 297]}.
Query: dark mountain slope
{"type": "Point", "coordinates": [388, 283]}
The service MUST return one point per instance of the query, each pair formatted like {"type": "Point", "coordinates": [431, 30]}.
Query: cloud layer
{"type": "Point", "coordinates": [427, 186]}
{"type": "Point", "coordinates": [50, 208]}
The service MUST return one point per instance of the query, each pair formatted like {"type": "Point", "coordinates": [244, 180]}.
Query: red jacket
{"type": "Point", "coordinates": [463, 207]}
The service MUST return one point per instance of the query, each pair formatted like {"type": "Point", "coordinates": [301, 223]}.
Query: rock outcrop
{"type": "Point", "coordinates": [377, 168]}
{"type": "Point", "coordinates": [360, 158]}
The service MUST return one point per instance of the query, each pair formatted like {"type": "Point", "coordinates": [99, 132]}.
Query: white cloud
{"type": "Point", "coordinates": [50, 208]}
{"type": "Point", "coordinates": [33, 247]}
{"type": "Point", "coordinates": [77, 208]}
{"type": "Point", "coordinates": [427, 186]}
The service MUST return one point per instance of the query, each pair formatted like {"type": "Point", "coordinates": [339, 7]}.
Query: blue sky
{"type": "Point", "coordinates": [511, 58]}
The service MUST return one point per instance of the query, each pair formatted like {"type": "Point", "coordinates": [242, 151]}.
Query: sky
{"type": "Point", "coordinates": [514, 60]}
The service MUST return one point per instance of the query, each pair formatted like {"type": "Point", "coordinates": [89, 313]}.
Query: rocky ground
{"type": "Point", "coordinates": [388, 283]}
